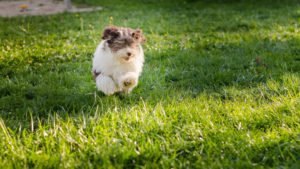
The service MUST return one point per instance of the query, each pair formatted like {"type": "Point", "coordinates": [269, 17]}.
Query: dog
{"type": "Point", "coordinates": [118, 60]}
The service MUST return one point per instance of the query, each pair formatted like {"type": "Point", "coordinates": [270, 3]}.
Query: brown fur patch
{"type": "Point", "coordinates": [138, 36]}
{"type": "Point", "coordinates": [119, 37]}
{"type": "Point", "coordinates": [96, 74]}
{"type": "Point", "coordinates": [110, 32]}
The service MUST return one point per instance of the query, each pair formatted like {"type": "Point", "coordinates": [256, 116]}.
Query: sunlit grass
{"type": "Point", "coordinates": [220, 88]}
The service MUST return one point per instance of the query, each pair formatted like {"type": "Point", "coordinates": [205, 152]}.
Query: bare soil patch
{"type": "Point", "coordinates": [37, 7]}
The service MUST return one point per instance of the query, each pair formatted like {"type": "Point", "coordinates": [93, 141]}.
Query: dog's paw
{"type": "Point", "coordinates": [129, 80]}
{"type": "Point", "coordinates": [127, 83]}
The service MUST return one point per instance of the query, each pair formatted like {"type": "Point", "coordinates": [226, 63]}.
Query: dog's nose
{"type": "Point", "coordinates": [129, 53]}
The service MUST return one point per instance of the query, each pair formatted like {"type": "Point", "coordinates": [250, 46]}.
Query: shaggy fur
{"type": "Point", "coordinates": [118, 60]}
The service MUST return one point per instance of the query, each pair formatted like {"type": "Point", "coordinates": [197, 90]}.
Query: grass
{"type": "Point", "coordinates": [220, 88]}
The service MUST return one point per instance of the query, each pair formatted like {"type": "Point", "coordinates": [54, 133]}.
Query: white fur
{"type": "Point", "coordinates": [115, 70]}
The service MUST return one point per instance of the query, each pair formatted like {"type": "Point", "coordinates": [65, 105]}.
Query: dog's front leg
{"type": "Point", "coordinates": [106, 84]}
{"type": "Point", "coordinates": [128, 82]}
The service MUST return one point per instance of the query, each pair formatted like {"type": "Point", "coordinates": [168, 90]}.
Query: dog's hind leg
{"type": "Point", "coordinates": [106, 84]}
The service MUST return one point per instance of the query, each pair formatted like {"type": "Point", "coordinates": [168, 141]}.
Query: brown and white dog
{"type": "Point", "coordinates": [118, 60]}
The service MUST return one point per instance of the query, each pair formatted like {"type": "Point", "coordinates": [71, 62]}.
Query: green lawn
{"type": "Point", "coordinates": [220, 88]}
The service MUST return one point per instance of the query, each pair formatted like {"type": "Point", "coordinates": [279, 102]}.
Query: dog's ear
{"type": "Point", "coordinates": [138, 36]}
{"type": "Point", "coordinates": [110, 32]}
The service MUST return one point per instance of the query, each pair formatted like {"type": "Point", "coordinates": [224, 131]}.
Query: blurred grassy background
{"type": "Point", "coordinates": [220, 88]}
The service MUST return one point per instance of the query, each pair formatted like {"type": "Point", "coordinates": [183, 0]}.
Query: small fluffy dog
{"type": "Point", "coordinates": [118, 60]}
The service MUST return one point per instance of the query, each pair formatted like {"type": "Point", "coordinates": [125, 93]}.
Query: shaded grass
{"type": "Point", "coordinates": [220, 88]}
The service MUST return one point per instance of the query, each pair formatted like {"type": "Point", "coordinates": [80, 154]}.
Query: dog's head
{"type": "Point", "coordinates": [123, 42]}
